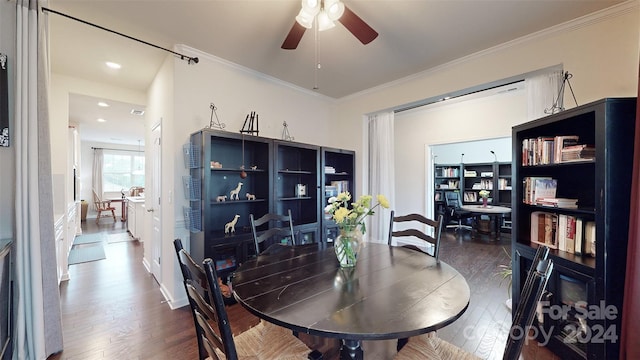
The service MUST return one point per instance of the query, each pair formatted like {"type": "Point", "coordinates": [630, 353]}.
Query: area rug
{"type": "Point", "coordinates": [86, 252]}
{"type": "Point", "coordinates": [116, 238]}
{"type": "Point", "coordinates": [88, 239]}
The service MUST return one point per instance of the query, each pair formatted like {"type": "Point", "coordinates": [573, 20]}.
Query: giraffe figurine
{"type": "Point", "coordinates": [234, 193]}
{"type": "Point", "coordinates": [230, 227]}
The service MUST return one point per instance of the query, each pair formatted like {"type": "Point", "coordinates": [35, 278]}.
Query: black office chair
{"type": "Point", "coordinates": [417, 222]}
{"type": "Point", "coordinates": [455, 211]}
{"type": "Point", "coordinates": [431, 347]}
{"type": "Point", "coordinates": [278, 227]}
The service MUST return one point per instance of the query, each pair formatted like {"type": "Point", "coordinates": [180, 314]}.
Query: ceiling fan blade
{"type": "Point", "coordinates": [357, 26]}
{"type": "Point", "coordinates": [294, 36]}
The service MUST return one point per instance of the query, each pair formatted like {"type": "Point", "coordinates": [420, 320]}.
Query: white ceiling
{"type": "Point", "coordinates": [415, 35]}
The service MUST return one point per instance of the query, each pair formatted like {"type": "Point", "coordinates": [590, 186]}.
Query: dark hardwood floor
{"type": "Point", "coordinates": [113, 308]}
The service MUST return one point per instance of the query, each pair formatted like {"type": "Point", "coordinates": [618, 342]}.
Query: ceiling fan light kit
{"type": "Point", "coordinates": [325, 13]}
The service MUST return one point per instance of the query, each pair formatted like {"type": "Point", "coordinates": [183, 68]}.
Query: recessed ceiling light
{"type": "Point", "coordinates": [101, 120]}
{"type": "Point", "coordinates": [103, 104]}
{"type": "Point", "coordinates": [137, 112]}
{"type": "Point", "coordinates": [113, 65]}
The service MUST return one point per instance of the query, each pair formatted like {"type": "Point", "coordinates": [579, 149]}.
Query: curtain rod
{"type": "Point", "coordinates": [101, 148]}
{"type": "Point", "coordinates": [189, 59]}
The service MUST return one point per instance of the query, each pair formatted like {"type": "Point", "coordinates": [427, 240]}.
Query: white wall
{"type": "Point", "coordinates": [600, 51]}
{"type": "Point", "coordinates": [473, 119]}
{"type": "Point", "coordinates": [7, 155]}
{"type": "Point", "coordinates": [236, 92]}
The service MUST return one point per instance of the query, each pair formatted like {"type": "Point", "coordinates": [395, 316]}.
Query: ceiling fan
{"type": "Point", "coordinates": [326, 12]}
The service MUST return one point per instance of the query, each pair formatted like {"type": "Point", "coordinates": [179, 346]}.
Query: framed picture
{"type": "Point", "coordinates": [4, 102]}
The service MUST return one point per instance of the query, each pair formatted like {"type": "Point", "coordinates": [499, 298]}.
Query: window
{"type": "Point", "coordinates": [122, 170]}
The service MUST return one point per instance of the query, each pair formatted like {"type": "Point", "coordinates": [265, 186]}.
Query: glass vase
{"type": "Point", "coordinates": [484, 202]}
{"type": "Point", "coordinates": [347, 245]}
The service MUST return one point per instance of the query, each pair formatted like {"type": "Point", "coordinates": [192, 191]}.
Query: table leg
{"type": "Point", "coordinates": [351, 350]}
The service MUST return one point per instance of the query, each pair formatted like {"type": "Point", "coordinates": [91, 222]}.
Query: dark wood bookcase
{"type": "Point", "coordinates": [468, 179]}
{"type": "Point", "coordinates": [280, 176]}
{"type": "Point", "coordinates": [338, 174]}
{"type": "Point", "coordinates": [602, 187]}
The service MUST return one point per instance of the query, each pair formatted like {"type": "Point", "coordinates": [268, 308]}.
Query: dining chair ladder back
{"type": "Point", "coordinates": [203, 313]}
{"type": "Point", "coordinates": [284, 230]}
{"type": "Point", "coordinates": [417, 221]}
{"type": "Point", "coordinates": [430, 346]}
{"type": "Point", "coordinates": [263, 341]}
{"type": "Point", "coordinates": [194, 274]}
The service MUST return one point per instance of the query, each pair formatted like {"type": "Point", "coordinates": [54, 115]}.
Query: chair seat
{"type": "Point", "coordinates": [431, 347]}
{"type": "Point", "coordinates": [268, 341]}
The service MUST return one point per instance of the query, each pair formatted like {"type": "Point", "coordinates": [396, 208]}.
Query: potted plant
{"type": "Point", "coordinates": [505, 272]}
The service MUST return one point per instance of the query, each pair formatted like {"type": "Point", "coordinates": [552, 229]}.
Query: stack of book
{"type": "Point", "coordinates": [578, 152]}
{"type": "Point", "coordinates": [558, 202]}
{"type": "Point", "coordinates": [329, 170]}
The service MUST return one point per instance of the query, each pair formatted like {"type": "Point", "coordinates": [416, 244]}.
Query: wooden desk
{"type": "Point", "coordinates": [392, 293]}
{"type": "Point", "coordinates": [123, 207]}
{"type": "Point", "coordinates": [492, 211]}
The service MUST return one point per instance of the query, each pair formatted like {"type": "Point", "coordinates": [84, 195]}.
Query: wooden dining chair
{"type": "Point", "coordinates": [430, 346]}
{"type": "Point", "coordinates": [193, 274]}
{"type": "Point", "coordinates": [416, 223]}
{"type": "Point", "coordinates": [102, 206]}
{"type": "Point", "coordinates": [263, 341]}
{"type": "Point", "coordinates": [278, 227]}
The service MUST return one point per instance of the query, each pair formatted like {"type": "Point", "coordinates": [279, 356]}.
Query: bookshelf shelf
{"type": "Point", "coordinates": [601, 186]}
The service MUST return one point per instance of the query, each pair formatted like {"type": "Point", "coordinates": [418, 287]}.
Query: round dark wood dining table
{"type": "Point", "coordinates": [392, 293]}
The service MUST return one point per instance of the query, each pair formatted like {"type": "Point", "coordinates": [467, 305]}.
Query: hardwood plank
{"type": "Point", "coordinates": [113, 308]}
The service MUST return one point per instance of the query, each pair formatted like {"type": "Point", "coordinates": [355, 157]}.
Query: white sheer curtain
{"type": "Point", "coordinates": [98, 162]}
{"type": "Point", "coordinates": [542, 94]}
{"type": "Point", "coordinates": [38, 321]}
{"type": "Point", "coordinates": [381, 171]}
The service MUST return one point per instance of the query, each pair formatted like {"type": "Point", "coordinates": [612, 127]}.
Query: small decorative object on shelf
{"type": "Point", "coordinates": [484, 194]}
{"type": "Point", "coordinates": [249, 122]}
{"type": "Point", "coordinates": [217, 124]}
{"type": "Point", "coordinates": [230, 227]}
{"type": "Point", "coordinates": [234, 193]}
{"type": "Point", "coordinates": [351, 223]}
{"type": "Point", "coordinates": [285, 132]}
{"type": "Point", "coordinates": [221, 198]}
{"type": "Point", "coordinates": [216, 165]}
{"type": "Point", "coordinates": [250, 196]}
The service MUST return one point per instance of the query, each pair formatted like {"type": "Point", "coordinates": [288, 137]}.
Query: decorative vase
{"type": "Point", "coordinates": [347, 245]}
{"type": "Point", "coordinates": [484, 201]}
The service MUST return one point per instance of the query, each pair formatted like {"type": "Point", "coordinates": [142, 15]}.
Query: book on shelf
{"type": "Point", "coordinates": [538, 187]}
{"type": "Point", "coordinates": [470, 196]}
{"type": "Point", "coordinates": [565, 203]}
{"type": "Point", "coordinates": [453, 184]}
{"type": "Point", "coordinates": [341, 185]}
{"type": "Point", "coordinates": [470, 173]}
{"type": "Point", "coordinates": [329, 170]}
{"type": "Point", "coordinates": [544, 228]}
{"type": "Point", "coordinates": [590, 238]}
{"type": "Point", "coordinates": [578, 153]}
{"type": "Point", "coordinates": [449, 172]}
{"type": "Point", "coordinates": [562, 142]}
{"type": "Point", "coordinates": [579, 237]}
{"type": "Point", "coordinates": [486, 174]}
{"type": "Point", "coordinates": [570, 234]}
{"type": "Point", "coordinates": [546, 149]}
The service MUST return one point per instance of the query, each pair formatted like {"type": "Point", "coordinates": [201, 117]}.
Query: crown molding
{"type": "Point", "coordinates": [201, 54]}
{"type": "Point", "coordinates": [571, 25]}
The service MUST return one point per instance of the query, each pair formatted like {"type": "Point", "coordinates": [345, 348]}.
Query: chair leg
{"type": "Point", "coordinates": [98, 217]}
{"type": "Point", "coordinates": [113, 213]}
